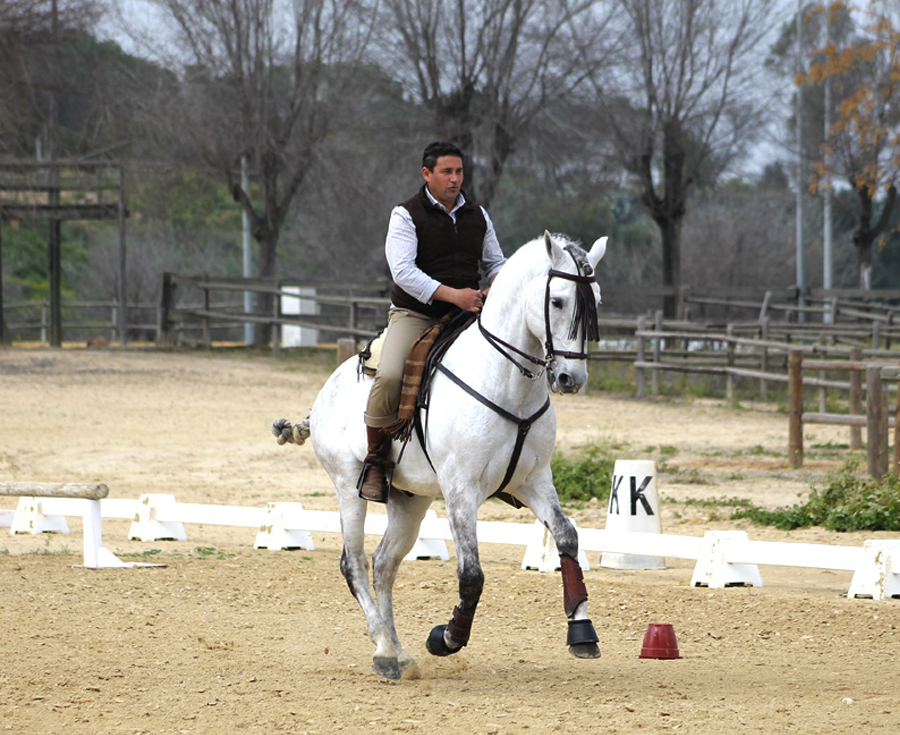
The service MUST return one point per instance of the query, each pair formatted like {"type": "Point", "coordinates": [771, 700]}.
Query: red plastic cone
{"type": "Point", "coordinates": [660, 642]}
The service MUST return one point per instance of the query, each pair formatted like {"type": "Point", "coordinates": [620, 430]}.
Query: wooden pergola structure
{"type": "Point", "coordinates": [53, 192]}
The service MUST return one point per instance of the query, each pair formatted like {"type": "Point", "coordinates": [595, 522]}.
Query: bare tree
{"type": "Point", "coordinates": [259, 80]}
{"type": "Point", "coordinates": [32, 79]}
{"type": "Point", "coordinates": [684, 94]}
{"type": "Point", "coordinates": [486, 68]}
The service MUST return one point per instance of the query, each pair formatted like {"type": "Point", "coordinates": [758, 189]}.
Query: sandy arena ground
{"type": "Point", "coordinates": [225, 638]}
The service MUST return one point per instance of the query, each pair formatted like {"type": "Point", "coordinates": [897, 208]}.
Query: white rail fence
{"type": "Point", "coordinates": [723, 558]}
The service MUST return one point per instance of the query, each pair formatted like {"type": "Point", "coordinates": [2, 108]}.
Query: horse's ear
{"type": "Point", "coordinates": [554, 251]}
{"type": "Point", "coordinates": [598, 250]}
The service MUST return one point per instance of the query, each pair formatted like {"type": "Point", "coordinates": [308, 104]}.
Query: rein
{"type": "Point", "coordinates": [495, 342]}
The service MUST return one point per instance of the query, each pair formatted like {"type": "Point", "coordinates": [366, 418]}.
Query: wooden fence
{"type": "Point", "coordinates": [875, 418]}
{"type": "Point", "coordinates": [189, 313]}
{"type": "Point", "coordinates": [31, 321]}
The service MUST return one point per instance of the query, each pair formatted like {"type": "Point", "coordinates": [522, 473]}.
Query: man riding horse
{"type": "Point", "coordinates": [439, 244]}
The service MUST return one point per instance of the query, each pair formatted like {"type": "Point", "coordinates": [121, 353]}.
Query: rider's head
{"type": "Point", "coordinates": [434, 151]}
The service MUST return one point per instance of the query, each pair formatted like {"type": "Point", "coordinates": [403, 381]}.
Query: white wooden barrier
{"type": "Point", "coordinates": [43, 507]}
{"type": "Point", "coordinates": [723, 558]}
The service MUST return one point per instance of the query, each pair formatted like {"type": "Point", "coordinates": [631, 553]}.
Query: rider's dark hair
{"type": "Point", "coordinates": [433, 151]}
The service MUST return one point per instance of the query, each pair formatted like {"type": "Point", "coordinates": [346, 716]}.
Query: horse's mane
{"type": "Point", "coordinates": [530, 258]}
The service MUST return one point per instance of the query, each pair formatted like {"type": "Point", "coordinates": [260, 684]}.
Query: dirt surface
{"type": "Point", "coordinates": [226, 638]}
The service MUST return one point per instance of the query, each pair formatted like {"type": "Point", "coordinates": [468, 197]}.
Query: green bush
{"type": "Point", "coordinates": [586, 476]}
{"type": "Point", "coordinates": [852, 501]}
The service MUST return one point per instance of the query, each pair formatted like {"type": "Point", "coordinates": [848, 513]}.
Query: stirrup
{"type": "Point", "coordinates": [386, 467]}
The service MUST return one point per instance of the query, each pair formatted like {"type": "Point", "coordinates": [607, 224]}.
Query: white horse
{"type": "Point", "coordinates": [489, 425]}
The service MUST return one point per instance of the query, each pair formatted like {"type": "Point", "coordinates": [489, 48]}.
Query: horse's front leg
{"type": "Point", "coordinates": [582, 638]}
{"type": "Point", "coordinates": [445, 640]}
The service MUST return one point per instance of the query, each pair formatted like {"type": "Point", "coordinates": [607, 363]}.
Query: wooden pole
{"type": "Point", "coordinates": [895, 456]}
{"type": "Point", "coordinates": [166, 304]}
{"type": "Point", "coordinates": [764, 358]}
{"type": "Point", "coordinates": [91, 491]}
{"type": "Point", "coordinates": [856, 401]}
{"type": "Point", "coordinates": [876, 424]}
{"type": "Point", "coordinates": [346, 348]}
{"type": "Point", "coordinates": [276, 316]}
{"type": "Point", "coordinates": [730, 398]}
{"type": "Point", "coordinates": [657, 354]}
{"type": "Point", "coordinates": [123, 269]}
{"type": "Point", "coordinates": [795, 408]}
{"type": "Point", "coordinates": [640, 376]}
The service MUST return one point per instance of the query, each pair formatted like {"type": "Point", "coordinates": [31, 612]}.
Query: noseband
{"type": "Point", "coordinates": [584, 318]}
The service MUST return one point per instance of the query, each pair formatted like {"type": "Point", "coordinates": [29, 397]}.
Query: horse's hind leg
{"type": "Point", "coordinates": [355, 568]}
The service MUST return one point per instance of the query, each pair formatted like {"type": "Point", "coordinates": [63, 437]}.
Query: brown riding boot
{"type": "Point", "coordinates": [373, 482]}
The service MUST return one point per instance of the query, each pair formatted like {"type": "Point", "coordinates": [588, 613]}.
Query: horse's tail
{"type": "Point", "coordinates": [287, 433]}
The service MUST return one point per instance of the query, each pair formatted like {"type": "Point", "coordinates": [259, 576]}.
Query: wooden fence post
{"type": "Point", "coordinates": [764, 358]}
{"type": "Point", "coordinates": [346, 348]}
{"type": "Point", "coordinates": [657, 350]}
{"type": "Point", "coordinates": [876, 424]}
{"type": "Point", "coordinates": [276, 316]}
{"type": "Point", "coordinates": [795, 408]}
{"type": "Point", "coordinates": [207, 330]}
{"type": "Point", "coordinates": [856, 401]}
{"type": "Point", "coordinates": [823, 389]}
{"type": "Point", "coordinates": [729, 361]}
{"type": "Point", "coordinates": [166, 304]}
{"type": "Point", "coordinates": [895, 456]}
{"type": "Point", "coordinates": [640, 374]}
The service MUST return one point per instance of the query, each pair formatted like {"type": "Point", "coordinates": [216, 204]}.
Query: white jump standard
{"type": "Point", "coordinates": [40, 500]}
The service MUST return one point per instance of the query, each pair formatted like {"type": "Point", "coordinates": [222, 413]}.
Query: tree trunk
{"type": "Point", "coordinates": [268, 248]}
{"type": "Point", "coordinates": [669, 209]}
{"type": "Point", "coordinates": [670, 232]}
{"type": "Point", "coordinates": [865, 235]}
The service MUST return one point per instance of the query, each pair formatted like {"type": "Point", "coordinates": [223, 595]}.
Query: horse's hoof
{"type": "Point", "coordinates": [389, 668]}
{"type": "Point", "coordinates": [585, 650]}
{"type": "Point", "coordinates": [436, 645]}
{"type": "Point", "coordinates": [582, 639]}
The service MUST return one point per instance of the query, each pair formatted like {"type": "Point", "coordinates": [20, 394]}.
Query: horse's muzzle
{"type": "Point", "coordinates": [563, 381]}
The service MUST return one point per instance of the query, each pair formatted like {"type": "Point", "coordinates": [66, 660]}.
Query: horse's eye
{"type": "Point", "coordinates": [557, 302]}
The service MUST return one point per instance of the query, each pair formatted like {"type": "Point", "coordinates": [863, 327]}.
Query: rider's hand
{"type": "Point", "coordinates": [470, 299]}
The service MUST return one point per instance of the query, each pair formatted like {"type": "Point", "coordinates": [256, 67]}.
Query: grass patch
{"type": "Point", "coordinates": [586, 475]}
{"type": "Point", "coordinates": [210, 552]}
{"type": "Point", "coordinates": [851, 501]}
{"type": "Point", "coordinates": [141, 554]}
